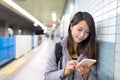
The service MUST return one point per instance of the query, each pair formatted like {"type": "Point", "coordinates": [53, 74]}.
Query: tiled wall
{"type": "Point", "coordinates": [66, 18]}
{"type": "Point", "coordinates": [117, 50]}
{"type": "Point", "coordinates": [107, 19]}
{"type": "Point", "coordinates": [106, 14]}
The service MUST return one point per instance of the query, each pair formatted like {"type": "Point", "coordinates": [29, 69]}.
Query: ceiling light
{"type": "Point", "coordinates": [71, 8]}
{"type": "Point", "coordinates": [53, 14]}
{"type": "Point", "coordinates": [21, 10]}
{"type": "Point", "coordinates": [35, 24]}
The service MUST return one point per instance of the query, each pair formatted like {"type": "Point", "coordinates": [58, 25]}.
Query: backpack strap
{"type": "Point", "coordinates": [58, 54]}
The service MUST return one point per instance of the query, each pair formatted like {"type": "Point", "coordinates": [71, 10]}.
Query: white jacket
{"type": "Point", "coordinates": [53, 71]}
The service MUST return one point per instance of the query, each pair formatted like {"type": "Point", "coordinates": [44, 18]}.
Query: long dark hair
{"type": "Point", "coordinates": [88, 46]}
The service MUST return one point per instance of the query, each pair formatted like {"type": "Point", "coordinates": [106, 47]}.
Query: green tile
{"type": "Point", "coordinates": [118, 20]}
{"type": "Point", "coordinates": [118, 47]}
{"type": "Point", "coordinates": [118, 2]}
{"type": "Point", "coordinates": [118, 11]}
{"type": "Point", "coordinates": [118, 29]}
{"type": "Point", "coordinates": [117, 58]}
{"type": "Point", "coordinates": [117, 66]}
{"type": "Point", "coordinates": [117, 75]}
{"type": "Point", "coordinates": [117, 38]}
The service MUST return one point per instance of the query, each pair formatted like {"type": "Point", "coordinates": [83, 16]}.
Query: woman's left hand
{"type": "Point", "coordinates": [82, 69]}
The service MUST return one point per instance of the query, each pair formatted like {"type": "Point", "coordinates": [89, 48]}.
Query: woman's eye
{"type": "Point", "coordinates": [79, 30]}
{"type": "Point", "coordinates": [88, 32]}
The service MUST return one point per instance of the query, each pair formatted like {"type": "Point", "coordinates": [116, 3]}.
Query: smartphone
{"type": "Point", "coordinates": [88, 62]}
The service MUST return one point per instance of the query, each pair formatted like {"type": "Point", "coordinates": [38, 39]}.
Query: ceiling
{"type": "Point", "coordinates": [13, 18]}
{"type": "Point", "coordinates": [41, 9]}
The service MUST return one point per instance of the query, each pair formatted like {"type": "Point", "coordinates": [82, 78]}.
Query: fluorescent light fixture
{"type": "Point", "coordinates": [71, 7]}
{"type": "Point", "coordinates": [53, 14]}
{"type": "Point", "coordinates": [19, 31]}
{"type": "Point", "coordinates": [21, 10]}
{"type": "Point", "coordinates": [35, 24]}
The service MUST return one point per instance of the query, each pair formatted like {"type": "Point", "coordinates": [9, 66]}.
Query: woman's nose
{"type": "Point", "coordinates": [82, 34]}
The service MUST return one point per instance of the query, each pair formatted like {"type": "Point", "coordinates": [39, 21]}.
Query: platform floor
{"type": "Point", "coordinates": [30, 66]}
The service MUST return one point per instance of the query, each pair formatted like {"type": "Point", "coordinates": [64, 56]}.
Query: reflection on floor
{"type": "Point", "coordinates": [29, 67]}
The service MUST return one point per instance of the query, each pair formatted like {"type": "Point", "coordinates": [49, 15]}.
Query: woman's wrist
{"type": "Point", "coordinates": [66, 72]}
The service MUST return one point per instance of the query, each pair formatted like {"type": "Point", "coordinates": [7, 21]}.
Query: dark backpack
{"type": "Point", "coordinates": [58, 54]}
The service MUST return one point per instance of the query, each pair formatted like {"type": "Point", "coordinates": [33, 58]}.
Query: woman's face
{"type": "Point", "coordinates": [80, 31]}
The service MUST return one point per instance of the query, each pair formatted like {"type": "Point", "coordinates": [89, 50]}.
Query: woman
{"type": "Point", "coordinates": [78, 45]}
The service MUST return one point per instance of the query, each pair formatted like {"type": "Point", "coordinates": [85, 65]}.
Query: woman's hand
{"type": "Point", "coordinates": [83, 69]}
{"type": "Point", "coordinates": [70, 67]}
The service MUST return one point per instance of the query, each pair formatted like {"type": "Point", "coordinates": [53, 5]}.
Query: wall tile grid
{"type": "Point", "coordinates": [117, 47]}
{"type": "Point", "coordinates": [106, 14]}
{"type": "Point", "coordinates": [106, 34]}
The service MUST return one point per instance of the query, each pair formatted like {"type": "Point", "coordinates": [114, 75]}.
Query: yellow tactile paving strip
{"type": "Point", "coordinates": [24, 64]}
{"type": "Point", "coordinates": [14, 67]}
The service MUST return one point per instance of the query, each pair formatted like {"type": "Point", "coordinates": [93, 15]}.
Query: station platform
{"type": "Point", "coordinates": [30, 66]}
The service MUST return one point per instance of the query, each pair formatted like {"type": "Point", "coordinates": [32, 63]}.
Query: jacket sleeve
{"type": "Point", "coordinates": [51, 71]}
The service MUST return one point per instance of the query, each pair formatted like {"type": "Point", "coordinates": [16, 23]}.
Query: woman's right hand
{"type": "Point", "coordinates": [70, 67]}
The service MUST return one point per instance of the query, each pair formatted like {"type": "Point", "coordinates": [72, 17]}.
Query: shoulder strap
{"type": "Point", "coordinates": [58, 53]}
